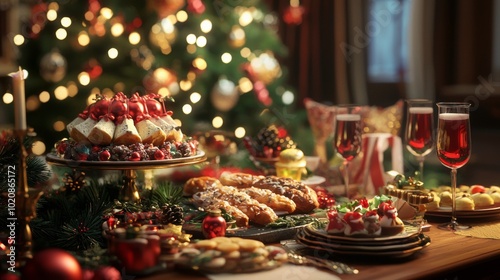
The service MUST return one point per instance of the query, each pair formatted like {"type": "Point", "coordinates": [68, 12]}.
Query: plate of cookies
{"type": "Point", "coordinates": [474, 201]}
{"type": "Point", "coordinates": [230, 255]}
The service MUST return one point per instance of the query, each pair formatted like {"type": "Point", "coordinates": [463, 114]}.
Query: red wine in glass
{"type": "Point", "coordinates": [453, 147]}
{"type": "Point", "coordinates": [419, 140]}
{"type": "Point", "coordinates": [348, 135]}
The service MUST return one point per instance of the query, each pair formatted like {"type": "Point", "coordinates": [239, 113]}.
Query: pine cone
{"type": "Point", "coordinates": [274, 138]}
{"type": "Point", "coordinates": [172, 214]}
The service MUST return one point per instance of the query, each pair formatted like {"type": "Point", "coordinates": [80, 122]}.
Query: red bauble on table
{"type": "Point", "coordinates": [293, 15]}
{"type": "Point", "coordinates": [213, 225]}
{"type": "Point", "coordinates": [107, 273]}
{"type": "Point", "coordinates": [52, 264]}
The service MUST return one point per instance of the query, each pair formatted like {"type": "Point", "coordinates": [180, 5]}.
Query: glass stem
{"type": "Point", "coordinates": [453, 198]}
{"type": "Point", "coordinates": [420, 160]}
{"type": "Point", "coordinates": [346, 177]}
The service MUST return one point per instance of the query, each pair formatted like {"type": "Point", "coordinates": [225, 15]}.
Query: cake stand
{"type": "Point", "coordinates": [128, 168]}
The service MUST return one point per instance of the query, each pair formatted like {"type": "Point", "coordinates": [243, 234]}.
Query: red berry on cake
{"type": "Point", "coordinates": [135, 156]}
{"type": "Point", "coordinates": [159, 155]}
{"type": "Point", "coordinates": [104, 155]}
{"type": "Point", "coordinates": [477, 189]}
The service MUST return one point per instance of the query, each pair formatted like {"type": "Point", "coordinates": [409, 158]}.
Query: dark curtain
{"type": "Point", "coordinates": [463, 58]}
{"type": "Point", "coordinates": [311, 49]}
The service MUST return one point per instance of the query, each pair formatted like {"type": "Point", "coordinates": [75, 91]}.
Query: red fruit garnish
{"type": "Point", "coordinates": [477, 189]}
{"type": "Point", "coordinates": [135, 156]}
{"type": "Point", "coordinates": [364, 202]}
{"type": "Point", "coordinates": [159, 155]}
{"type": "Point", "coordinates": [61, 147]}
{"type": "Point", "coordinates": [104, 155]}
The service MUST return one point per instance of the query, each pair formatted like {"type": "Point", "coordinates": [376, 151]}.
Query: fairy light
{"type": "Point", "coordinates": [51, 15]}
{"type": "Point", "coordinates": [61, 93]}
{"type": "Point", "coordinates": [217, 122]}
{"type": "Point", "coordinates": [187, 109]}
{"type": "Point", "coordinates": [226, 57]}
{"type": "Point", "coordinates": [195, 97]}
{"type": "Point", "coordinates": [113, 53]}
{"type": "Point", "coordinates": [245, 52]}
{"type": "Point", "coordinates": [117, 29]}
{"type": "Point", "coordinates": [134, 38]}
{"type": "Point", "coordinates": [288, 97]}
{"type": "Point", "coordinates": [181, 16]}
{"type": "Point", "coordinates": [107, 13]}
{"type": "Point", "coordinates": [61, 34]}
{"type": "Point", "coordinates": [58, 126]}
{"type": "Point", "coordinates": [206, 26]}
{"type": "Point", "coordinates": [246, 18]}
{"type": "Point", "coordinates": [66, 22]}
{"type": "Point", "coordinates": [8, 98]}
{"type": "Point", "coordinates": [185, 85]}
{"type": "Point", "coordinates": [84, 78]}
{"type": "Point", "coordinates": [201, 41]}
{"type": "Point", "coordinates": [72, 89]}
{"type": "Point", "coordinates": [200, 63]}
{"type": "Point", "coordinates": [245, 84]}
{"type": "Point", "coordinates": [44, 96]}
{"type": "Point", "coordinates": [32, 103]}
{"type": "Point", "coordinates": [167, 25]}
{"type": "Point", "coordinates": [83, 39]}
{"type": "Point", "coordinates": [191, 49]}
{"type": "Point", "coordinates": [240, 132]}
{"type": "Point", "coordinates": [191, 39]}
{"type": "Point", "coordinates": [38, 148]}
{"type": "Point", "coordinates": [18, 40]}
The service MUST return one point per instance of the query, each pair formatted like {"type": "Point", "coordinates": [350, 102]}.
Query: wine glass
{"type": "Point", "coordinates": [419, 136]}
{"type": "Point", "coordinates": [348, 134]}
{"type": "Point", "coordinates": [453, 147]}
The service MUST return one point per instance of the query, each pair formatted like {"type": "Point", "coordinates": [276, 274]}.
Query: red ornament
{"type": "Point", "coordinates": [138, 254]}
{"type": "Point", "coordinates": [293, 15]}
{"type": "Point", "coordinates": [213, 225]}
{"type": "Point", "coordinates": [262, 93]}
{"type": "Point", "coordinates": [107, 273]}
{"type": "Point", "coordinates": [100, 108]}
{"type": "Point", "coordinates": [136, 107]}
{"type": "Point", "coordinates": [93, 69]}
{"type": "Point", "coordinates": [155, 108]}
{"type": "Point", "coordinates": [104, 155]}
{"type": "Point", "coordinates": [53, 264]}
{"type": "Point", "coordinates": [119, 105]}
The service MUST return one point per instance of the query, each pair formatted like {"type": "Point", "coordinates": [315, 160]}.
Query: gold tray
{"type": "Point", "coordinates": [124, 165]}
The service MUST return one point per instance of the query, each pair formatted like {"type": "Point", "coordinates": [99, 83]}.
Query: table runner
{"type": "Point", "coordinates": [486, 230]}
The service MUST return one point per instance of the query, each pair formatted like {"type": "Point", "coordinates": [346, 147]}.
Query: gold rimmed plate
{"type": "Point", "coordinates": [397, 253]}
{"type": "Point", "coordinates": [410, 230]}
{"type": "Point", "coordinates": [410, 243]}
{"type": "Point", "coordinates": [477, 213]}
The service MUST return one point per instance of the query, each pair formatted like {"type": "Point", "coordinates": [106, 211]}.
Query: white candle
{"type": "Point", "coordinates": [19, 100]}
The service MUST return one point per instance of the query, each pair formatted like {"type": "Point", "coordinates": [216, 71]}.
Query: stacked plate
{"type": "Point", "coordinates": [405, 244]}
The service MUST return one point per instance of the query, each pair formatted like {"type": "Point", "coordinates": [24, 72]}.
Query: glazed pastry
{"type": "Point", "coordinates": [257, 212]}
{"type": "Point", "coordinates": [239, 180]}
{"type": "Point", "coordinates": [199, 184]}
{"type": "Point", "coordinates": [445, 197]}
{"type": "Point", "coordinates": [275, 201]}
{"type": "Point", "coordinates": [304, 197]}
{"type": "Point", "coordinates": [496, 197]}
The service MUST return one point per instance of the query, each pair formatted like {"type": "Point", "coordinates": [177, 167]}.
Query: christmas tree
{"type": "Point", "coordinates": [215, 63]}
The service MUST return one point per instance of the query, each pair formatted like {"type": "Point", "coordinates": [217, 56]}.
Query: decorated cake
{"type": "Point", "coordinates": [125, 129]}
{"type": "Point", "coordinates": [377, 217]}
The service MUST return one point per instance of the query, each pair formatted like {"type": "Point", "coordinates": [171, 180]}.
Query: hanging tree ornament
{"type": "Point", "coordinates": [53, 66]}
{"type": "Point", "coordinates": [265, 67]}
{"type": "Point", "coordinates": [93, 68]}
{"type": "Point", "coordinates": [294, 13]}
{"type": "Point", "coordinates": [237, 37]}
{"type": "Point", "coordinates": [224, 95]}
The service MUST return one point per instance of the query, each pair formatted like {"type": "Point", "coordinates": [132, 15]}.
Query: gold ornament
{"type": "Point", "coordinates": [237, 37]}
{"type": "Point", "coordinates": [266, 67]}
{"type": "Point", "coordinates": [224, 95]}
{"type": "Point", "coordinates": [165, 8]}
{"type": "Point", "coordinates": [53, 66]}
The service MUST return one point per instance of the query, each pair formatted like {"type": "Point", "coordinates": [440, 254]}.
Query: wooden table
{"type": "Point", "coordinates": [450, 256]}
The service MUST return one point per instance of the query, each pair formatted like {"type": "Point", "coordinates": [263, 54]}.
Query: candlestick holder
{"type": "Point", "coordinates": [26, 199]}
